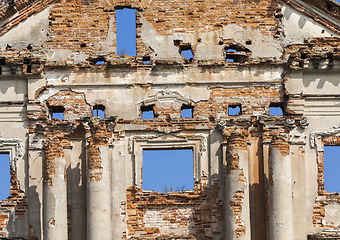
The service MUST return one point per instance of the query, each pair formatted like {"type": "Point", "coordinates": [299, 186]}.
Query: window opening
{"type": "Point", "coordinates": [331, 168]}
{"type": "Point", "coordinates": [185, 50]}
{"type": "Point", "coordinates": [276, 109]}
{"type": "Point", "coordinates": [168, 170]}
{"type": "Point", "coordinates": [57, 112]}
{"type": "Point", "coordinates": [126, 32]}
{"type": "Point", "coordinates": [328, 6]}
{"type": "Point", "coordinates": [187, 111]}
{"type": "Point", "coordinates": [99, 111]}
{"type": "Point", "coordinates": [236, 53]}
{"type": "Point", "coordinates": [146, 59]}
{"type": "Point", "coordinates": [5, 176]}
{"type": "Point", "coordinates": [147, 112]}
{"type": "Point", "coordinates": [234, 110]}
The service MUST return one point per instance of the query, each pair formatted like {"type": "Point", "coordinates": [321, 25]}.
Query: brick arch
{"type": "Point", "coordinates": [137, 4]}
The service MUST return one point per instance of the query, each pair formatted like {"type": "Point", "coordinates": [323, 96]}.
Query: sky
{"type": "Point", "coordinates": [126, 44]}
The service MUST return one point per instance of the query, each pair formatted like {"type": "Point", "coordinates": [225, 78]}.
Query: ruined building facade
{"type": "Point", "coordinates": [256, 176]}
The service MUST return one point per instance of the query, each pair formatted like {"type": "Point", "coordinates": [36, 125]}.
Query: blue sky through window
{"type": "Point", "coordinates": [234, 110]}
{"type": "Point", "coordinates": [275, 111]}
{"type": "Point", "coordinates": [166, 169]}
{"type": "Point", "coordinates": [126, 32]}
{"type": "Point", "coordinates": [58, 115]}
{"type": "Point", "coordinates": [331, 168]}
{"type": "Point", "coordinates": [5, 176]}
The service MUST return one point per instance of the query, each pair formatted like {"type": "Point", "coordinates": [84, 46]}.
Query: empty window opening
{"type": "Point", "coordinates": [248, 42]}
{"type": "Point", "coordinates": [177, 42]}
{"type": "Point", "coordinates": [57, 112]}
{"type": "Point", "coordinates": [5, 176]}
{"type": "Point", "coordinates": [27, 61]}
{"type": "Point", "coordinates": [301, 63]}
{"type": "Point", "coordinates": [98, 61]}
{"type": "Point", "coordinates": [328, 6]}
{"type": "Point", "coordinates": [146, 59]}
{"type": "Point", "coordinates": [147, 112]}
{"type": "Point", "coordinates": [83, 45]}
{"type": "Point", "coordinates": [187, 111]}
{"type": "Point", "coordinates": [234, 110]}
{"type": "Point", "coordinates": [126, 32]}
{"type": "Point", "coordinates": [276, 109]}
{"type": "Point", "coordinates": [99, 111]}
{"type": "Point", "coordinates": [303, 55]}
{"type": "Point", "coordinates": [331, 168]}
{"type": "Point", "coordinates": [2, 61]}
{"type": "Point", "coordinates": [168, 170]}
{"type": "Point", "coordinates": [236, 53]}
{"type": "Point", "coordinates": [185, 50]}
{"type": "Point", "coordinates": [188, 57]}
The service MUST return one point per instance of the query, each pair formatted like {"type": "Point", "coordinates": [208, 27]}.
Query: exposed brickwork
{"type": "Point", "coordinates": [15, 205]}
{"type": "Point", "coordinates": [99, 137]}
{"type": "Point", "coordinates": [313, 52]}
{"type": "Point", "coordinates": [192, 213]}
{"type": "Point", "coordinates": [280, 144]}
{"type": "Point", "coordinates": [73, 102]}
{"type": "Point", "coordinates": [53, 151]}
{"type": "Point", "coordinates": [324, 197]}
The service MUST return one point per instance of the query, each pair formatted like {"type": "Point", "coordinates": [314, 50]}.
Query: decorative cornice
{"type": "Point", "coordinates": [335, 130]}
{"type": "Point", "coordinates": [166, 95]}
{"type": "Point", "coordinates": [18, 145]}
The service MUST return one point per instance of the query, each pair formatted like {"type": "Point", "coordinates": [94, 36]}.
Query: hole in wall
{"type": "Point", "coordinates": [57, 112]}
{"type": "Point", "coordinates": [248, 42]}
{"type": "Point", "coordinates": [147, 112]}
{"type": "Point", "coordinates": [126, 31]}
{"type": "Point", "coordinates": [236, 53]}
{"type": "Point", "coordinates": [83, 45]}
{"type": "Point", "coordinates": [5, 176]}
{"type": "Point", "coordinates": [177, 42]}
{"type": "Point", "coordinates": [168, 170]}
{"type": "Point", "coordinates": [146, 59]}
{"type": "Point", "coordinates": [234, 110]}
{"type": "Point", "coordinates": [185, 50]}
{"type": "Point", "coordinates": [276, 109]}
{"type": "Point", "coordinates": [29, 47]}
{"type": "Point", "coordinates": [98, 111]}
{"type": "Point", "coordinates": [329, 6]}
{"type": "Point", "coordinates": [187, 111]}
{"type": "Point", "coordinates": [2, 61]}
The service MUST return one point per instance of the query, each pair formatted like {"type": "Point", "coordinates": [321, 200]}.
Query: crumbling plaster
{"type": "Point", "coordinates": [255, 175]}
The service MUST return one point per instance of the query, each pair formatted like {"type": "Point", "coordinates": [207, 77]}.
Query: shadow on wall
{"type": "Point", "coordinates": [321, 80]}
{"type": "Point", "coordinates": [35, 213]}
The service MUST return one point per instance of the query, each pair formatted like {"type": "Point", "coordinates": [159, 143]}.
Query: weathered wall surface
{"type": "Point", "coordinates": [257, 176]}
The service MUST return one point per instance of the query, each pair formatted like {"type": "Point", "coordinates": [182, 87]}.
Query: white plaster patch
{"type": "Point", "coordinates": [332, 214]}
{"type": "Point", "coordinates": [176, 221]}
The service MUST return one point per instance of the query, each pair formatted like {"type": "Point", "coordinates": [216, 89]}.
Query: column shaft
{"type": "Point", "coordinates": [55, 192]}
{"type": "Point", "coordinates": [237, 190]}
{"type": "Point", "coordinates": [99, 193]}
{"type": "Point", "coordinates": [280, 191]}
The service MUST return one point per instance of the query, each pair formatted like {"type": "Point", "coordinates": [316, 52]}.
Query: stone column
{"type": "Point", "coordinates": [55, 191]}
{"type": "Point", "coordinates": [98, 184]}
{"type": "Point", "coordinates": [237, 190]}
{"type": "Point", "coordinates": [280, 191]}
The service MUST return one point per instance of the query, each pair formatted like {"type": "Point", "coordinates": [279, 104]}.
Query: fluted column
{"type": "Point", "coordinates": [280, 191]}
{"type": "Point", "coordinates": [98, 184]}
{"type": "Point", "coordinates": [55, 191]}
{"type": "Point", "coordinates": [237, 190]}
